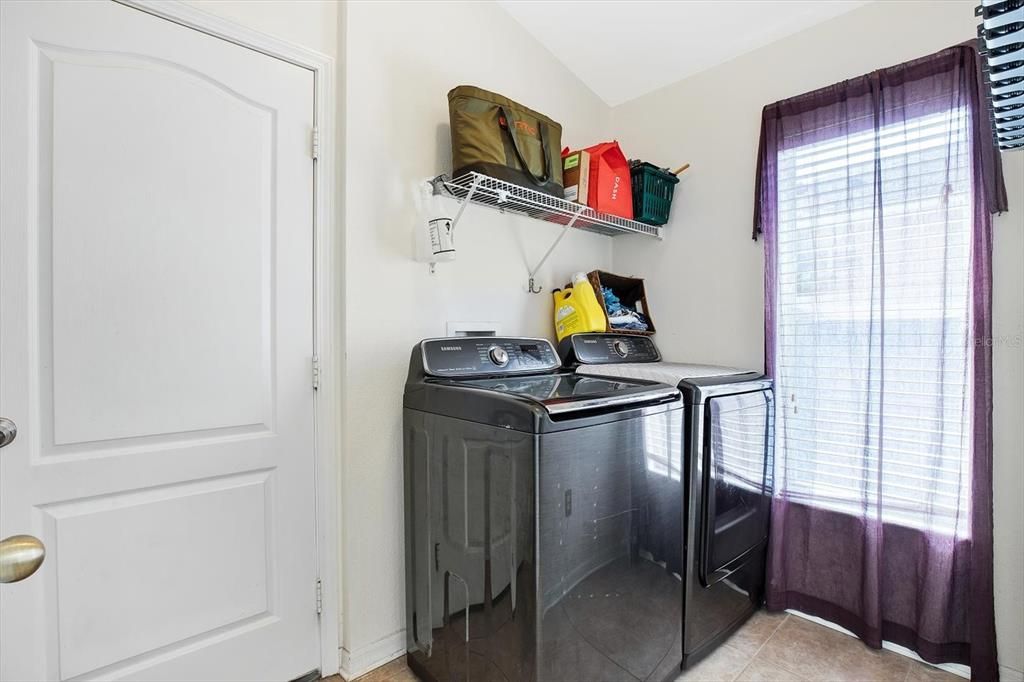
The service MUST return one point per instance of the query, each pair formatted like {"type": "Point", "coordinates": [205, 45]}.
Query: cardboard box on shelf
{"type": "Point", "coordinates": [630, 291]}
{"type": "Point", "coordinates": [576, 176]}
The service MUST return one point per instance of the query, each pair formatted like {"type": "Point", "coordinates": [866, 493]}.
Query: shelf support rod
{"type": "Point", "coordinates": [565, 231]}
{"type": "Point", "coordinates": [465, 202]}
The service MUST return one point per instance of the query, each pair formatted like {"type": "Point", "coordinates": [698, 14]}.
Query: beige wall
{"type": "Point", "coordinates": [312, 24]}
{"type": "Point", "coordinates": [403, 57]}
{"type": "Point", "coordinates": [705, 281]}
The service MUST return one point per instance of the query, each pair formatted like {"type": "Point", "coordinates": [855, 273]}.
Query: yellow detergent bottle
{"type": "Point", "coordinates": [577, 309]}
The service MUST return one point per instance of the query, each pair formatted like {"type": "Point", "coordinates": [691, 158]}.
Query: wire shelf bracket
{"type": "Point", "coordinates": [484, 190]}
{"type": "Point", "coordinates": [551, 249]}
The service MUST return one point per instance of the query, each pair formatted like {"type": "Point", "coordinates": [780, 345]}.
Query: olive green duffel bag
{"type": "Point", "coordinates": [495, 136]}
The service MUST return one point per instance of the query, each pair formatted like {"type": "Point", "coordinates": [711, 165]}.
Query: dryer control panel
{"type": "Point", "coordinates": [605, 349]}
{"type": "Point", "coordinates": [467, 356]}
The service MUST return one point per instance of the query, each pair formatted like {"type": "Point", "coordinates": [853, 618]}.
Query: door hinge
{"type": "Point", "coordinates": [316, 143]}
{"type": "Point", "coordinates": [319, 597]}
{"type": "Point", "coordinates": [316, 372]}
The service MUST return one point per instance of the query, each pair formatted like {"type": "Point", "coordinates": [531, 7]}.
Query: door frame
{"type": "Point", "coordinates": [327, 283]}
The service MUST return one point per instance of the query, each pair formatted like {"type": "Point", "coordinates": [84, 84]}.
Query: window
{"type": "Point", "coordinates": [872, 355]}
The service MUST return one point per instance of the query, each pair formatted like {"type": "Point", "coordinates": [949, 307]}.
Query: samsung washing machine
{"type": "Point", "coordinates": [542, 512]}
{"type": "Point", "coordinates": [727, 445]}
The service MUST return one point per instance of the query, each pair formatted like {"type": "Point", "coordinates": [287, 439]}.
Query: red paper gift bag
{"type": "Point", "coordinates": [610, 190]}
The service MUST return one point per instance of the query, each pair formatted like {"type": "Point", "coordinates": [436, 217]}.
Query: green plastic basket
{"type": "Point", "coordinates": [652, 192]}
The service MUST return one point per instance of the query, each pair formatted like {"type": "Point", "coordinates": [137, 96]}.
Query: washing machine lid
{"type": "Point", "coordinates": [672, 373]}
{"type": "Point", "coordinates": [568, 392]}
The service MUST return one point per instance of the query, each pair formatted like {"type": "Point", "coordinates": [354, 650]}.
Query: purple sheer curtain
{"type": "Point", "coordinates": [874, 197]}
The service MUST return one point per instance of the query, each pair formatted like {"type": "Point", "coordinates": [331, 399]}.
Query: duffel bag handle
{"type": "Point", "coordinates": [511, 128]}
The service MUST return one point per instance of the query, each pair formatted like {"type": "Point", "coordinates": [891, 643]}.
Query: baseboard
{"type": "Point", "coordinates": [373, 655]}
{"type": "Point", "coordinates": [953, 668]}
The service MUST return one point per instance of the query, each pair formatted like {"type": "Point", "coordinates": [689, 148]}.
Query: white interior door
{"type": "Point", "coordinates": [155, 350]}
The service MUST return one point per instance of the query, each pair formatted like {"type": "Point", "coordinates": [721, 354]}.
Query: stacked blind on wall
{"type": "Point", "coordinates": [1001, 44]}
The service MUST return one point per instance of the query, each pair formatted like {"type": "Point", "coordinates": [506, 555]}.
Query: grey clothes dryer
{"type": "Point", "coordinates": [540, 510]}
{"type": "Point", "coordinates": [727, 446]}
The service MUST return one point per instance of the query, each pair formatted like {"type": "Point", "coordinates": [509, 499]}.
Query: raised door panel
{"type": "Point", "coordinates": [161, 179]}
{"type": "Point", "coordinates": [109, 553]}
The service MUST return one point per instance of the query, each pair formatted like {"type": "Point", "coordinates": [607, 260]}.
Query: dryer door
{"type": "Point", "coordinates": [737, 481]}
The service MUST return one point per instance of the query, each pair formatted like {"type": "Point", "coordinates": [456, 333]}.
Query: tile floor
{"type": "Point", "coordinates": [784, 648]}
{"type": "Point", "coordinates": [774, 648]}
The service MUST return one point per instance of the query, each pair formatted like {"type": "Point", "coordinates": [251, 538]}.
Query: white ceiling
{"type": "Point", "coordinates": [626, 48]}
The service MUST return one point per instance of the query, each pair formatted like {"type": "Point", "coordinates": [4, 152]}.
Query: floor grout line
{"type": "Point", "coordinates": [781, 664]}
{"type": "Point", "coordinates": [763, 645]}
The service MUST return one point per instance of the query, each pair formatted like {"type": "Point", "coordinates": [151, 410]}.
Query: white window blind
{"type": "Point", "coordinates": [872, 362]}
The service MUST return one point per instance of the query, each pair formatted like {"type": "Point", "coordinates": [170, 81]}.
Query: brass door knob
{"type": "Point", "coordinates": [20, 557]}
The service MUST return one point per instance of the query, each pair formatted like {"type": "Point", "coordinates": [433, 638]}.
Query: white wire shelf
{"type": "Point", "coordinates": [505, 196]}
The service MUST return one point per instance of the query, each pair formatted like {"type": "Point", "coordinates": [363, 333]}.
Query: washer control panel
{"type": "Point", "coordinates": [604, 349]}
{"type": "Point", "coordinates": [487, 355]}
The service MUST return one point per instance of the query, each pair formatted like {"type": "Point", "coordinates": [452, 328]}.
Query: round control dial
{"type": "Point", "coordinates": [498, 356]}
{"type": "Point", "coordinates": [621, 348]}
